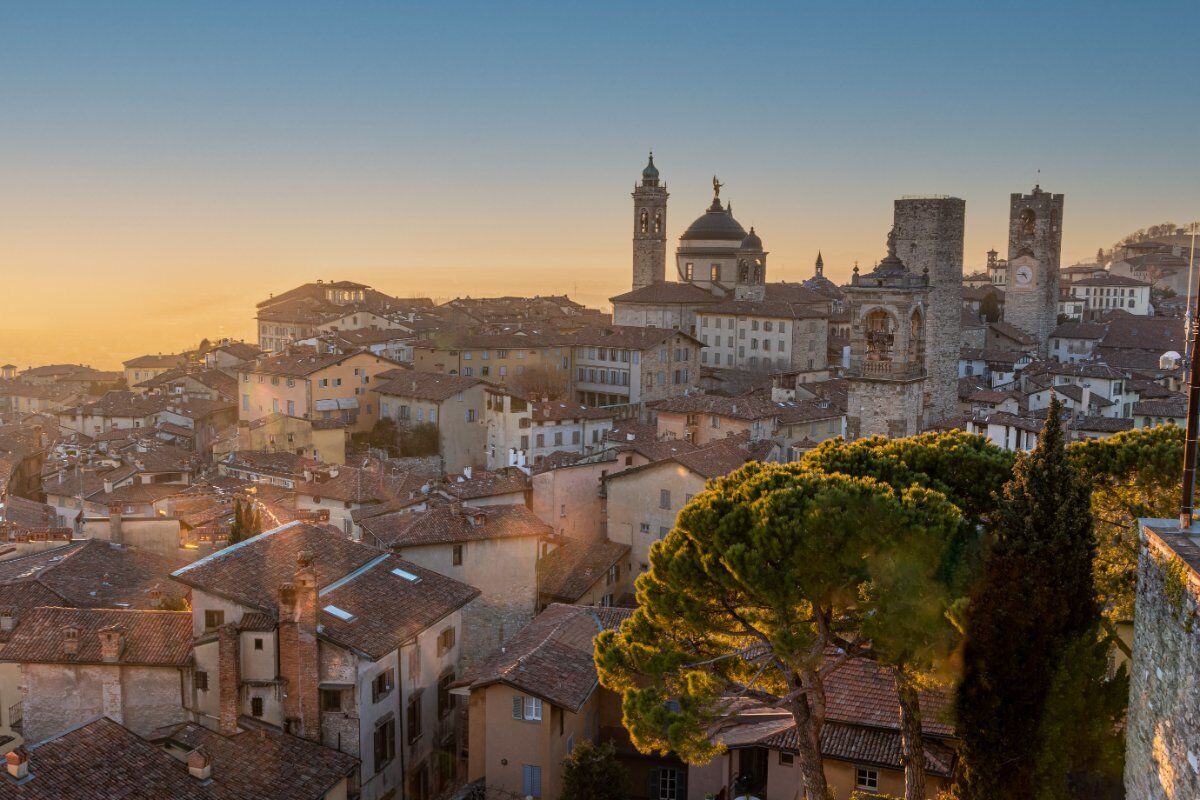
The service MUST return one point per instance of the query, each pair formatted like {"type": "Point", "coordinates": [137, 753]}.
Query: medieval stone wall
{"type": "Point", "coordinates": [887, 408]}
{"type": "Point", "coordinates": [1162, 757]}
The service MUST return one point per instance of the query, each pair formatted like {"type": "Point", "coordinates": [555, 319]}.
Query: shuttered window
{"type": "Point", "coordinates": [531, 780]}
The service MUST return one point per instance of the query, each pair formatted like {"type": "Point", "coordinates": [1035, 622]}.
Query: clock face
{"type": "Point", "coordinates": [1024, 276]}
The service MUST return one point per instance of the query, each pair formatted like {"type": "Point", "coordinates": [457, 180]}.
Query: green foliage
{"type": "Point", "coordinates": [171, 603]}
{"type": "Point", "coordinates": [592, 772]}
{"type": "Point", "coordinates": [766, 569]}
{"type": "Point", "coordinates": [1174, 582]}
{"type": "Point", "coordinates": [383, 434]}
{"type": "Point", "coordinates": [966, 468]}
{"type": "Point", "coordinates": [989, 307]}
{"type": "Point", "coordinates": [238, 527]}
{"type": "Point", "coordinates": [1032, 610]}
{"type": "Point", "coordinates": [418, 441]}
{"type": "Point", "coordinates": [1133, 474]}
{"type": "Point", "coordinates": [1082, 760]}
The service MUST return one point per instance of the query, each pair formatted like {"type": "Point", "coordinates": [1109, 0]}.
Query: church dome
{"type": "Point", "coordinates": [752, 242]}
{"type": "Point", "coordinates": [650, 173]}
{"type": "Point", "coordinates": [716, 223]}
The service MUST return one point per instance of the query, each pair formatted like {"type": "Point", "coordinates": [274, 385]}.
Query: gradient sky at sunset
{"type": "Point", "coordinates": [165, 165]}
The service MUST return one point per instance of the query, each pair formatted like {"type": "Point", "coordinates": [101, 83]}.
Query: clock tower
{"type": "Point", "coordinates": [1032, 278]}
{"type": "Point", "coordinates": [649, 228]}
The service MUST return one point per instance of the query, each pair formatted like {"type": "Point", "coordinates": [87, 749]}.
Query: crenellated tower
{"type": "Point", "coordinates": [1034, 247]}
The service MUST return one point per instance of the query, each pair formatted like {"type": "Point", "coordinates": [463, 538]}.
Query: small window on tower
{"type": "Point", "coordinates": [658, 222]}
{"type": "Point", "coordinates": [644, 223]}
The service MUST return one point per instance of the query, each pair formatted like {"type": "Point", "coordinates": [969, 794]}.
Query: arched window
{"type": "Point", "coordinates": [743, 271]}
{"type": "Point", "coordinates": [658, 225]}
{"type": "Point", "coordinates": [877, 327]}
{"type": "Point", "coordinates": [714, 273]}
{"type": "Point", "coordinates": [644, 222]}
{"type": "Point", "coordinates": [1028, 218]}
{"type": "Point", "coordinates": [916, 338]}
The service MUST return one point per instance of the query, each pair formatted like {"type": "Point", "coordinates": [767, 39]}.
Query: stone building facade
{"type": "Point", "coordinates": [929, 237]}
{"type": "Point", "coordinates": [1034, 248]}
{"type": "Point", "coordinates": [886, 378]}
{"type": "Point", "coordinates": [1162, 741]}
{"type": "Point", "coordinates": [649, 228]}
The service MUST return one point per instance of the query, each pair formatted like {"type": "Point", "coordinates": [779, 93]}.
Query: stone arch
{"type": "Point", "coordinates": [644, 221]}
{"type": "Point", "coordinates": [1028, 219]}
{"type": "Point", "coordinates": [879, 333]}
{"type": "Point", "coordinates": [658, 221]}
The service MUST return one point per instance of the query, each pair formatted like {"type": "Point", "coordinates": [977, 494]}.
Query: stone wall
{"type": "Point", "coordinates": [57, 697]}
{"type": "Point", "coordinates": [1162, 757]}
{"type": "Point", "coordinates": [885, 408]}
{"type": "Point", "coordinates": [929, 235]}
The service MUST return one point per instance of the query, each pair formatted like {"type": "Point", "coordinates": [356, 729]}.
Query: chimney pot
{"type": "Point", "coordinates": [200, 764]}
{"type": "Point", "coordinates": [17, 762]}
{"type": "Point", "coordinates": [155, 601]}
{"type": "Point", "coordinates": [70, 642]}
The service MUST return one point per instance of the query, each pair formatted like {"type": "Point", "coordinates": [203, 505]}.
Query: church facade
{"type": "Point", "coordinates": [719, 291]}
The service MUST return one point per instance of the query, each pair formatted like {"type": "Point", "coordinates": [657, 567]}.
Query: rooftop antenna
{"type": "Point", "coordinates": [1193, 407]}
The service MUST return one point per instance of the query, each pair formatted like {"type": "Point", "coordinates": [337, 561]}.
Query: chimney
{"type": "Point", "coordinates": [116, 534]}
{"type": "Point", "coordinates": [199, 764]}
{"type": "Point", "coordinates": [1087, 399]}
{"type": "Point", "coordinates": [467, 473]}
{"type": "Point", "coordinates": [18, 763]}
{"type": "Point", "coordinates": [299, 664]}
{"type": "Point", "coordinates": [70, 640]}
{"type": "Point", "coordinates": [229, 678]}
{"type": "Point", "coordinates": [333, 471]}
{"type": "Point", "coordinates": [112, 641]}
{"type": "Point", "coordinates": [108, 486]}
{"type": "Point", "coordinates": [155, 601]}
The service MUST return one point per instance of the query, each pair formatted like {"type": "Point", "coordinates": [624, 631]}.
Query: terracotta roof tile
{"type": "Point", "coordinates": [150, 638]}
{"type": "Point", "coordinates": [569, 570]}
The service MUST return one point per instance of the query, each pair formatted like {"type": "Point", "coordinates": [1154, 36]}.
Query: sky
{"type": "Point", "coordinates": [165, 165]}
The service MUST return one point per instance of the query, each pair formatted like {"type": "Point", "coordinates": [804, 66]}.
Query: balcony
{"type": "Point", "coordinates": [884, 370]}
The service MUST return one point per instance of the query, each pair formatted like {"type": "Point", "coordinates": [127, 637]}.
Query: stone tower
{"type": "Point", "coordinates": [929, 240]}
{"type": "Point", "coordinates": [649, 228]}
{"type": "Point", "coordinates": [886, 376]}
{"type": "Point", "coordinates": [1034, 245]}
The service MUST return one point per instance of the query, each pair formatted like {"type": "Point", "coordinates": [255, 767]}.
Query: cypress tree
{"type": "Point", "coordinates": [1031, 614]}
{"type": "Point", "coordinates": [239, 522]}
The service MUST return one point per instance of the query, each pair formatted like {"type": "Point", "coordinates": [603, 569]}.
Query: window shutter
{"type": "Point", "coordinates": [681, 781]}
{"type": "Point", "coordinates": [652, 785]}
{"type": "Point", "coordinates": [518, 707]}
{"type": "Point", "coordinates": [535, 780]}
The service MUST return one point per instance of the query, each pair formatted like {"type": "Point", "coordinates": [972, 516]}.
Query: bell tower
{"type": "Point", "coordinates": [1034, 245]}
{"type": "Point", "coordinates": [649, 228]}
{"type": "Point", "coordinates": [887, 375]}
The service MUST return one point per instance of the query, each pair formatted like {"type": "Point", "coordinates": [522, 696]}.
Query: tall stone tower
{"type": "Point", "coordinates": [929, 240]}
{"type": "Point", "coordinates": [886, 376]}
{"type": "Point", "coordinates": [1034, 247]}
{"type": "Point", "coordinates": [649, 228]}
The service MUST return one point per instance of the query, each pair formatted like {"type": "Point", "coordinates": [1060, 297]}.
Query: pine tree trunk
{"type": "Point", "coordinates": [912, 742]}
{"type": "Point", "coordinates": [808, 756]}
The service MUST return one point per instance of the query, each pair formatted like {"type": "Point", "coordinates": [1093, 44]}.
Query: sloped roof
{"type": "Point", "coordinates": [567, 571]}
{"type": "Point", "coordinates": [150, 638]}
{"type": "Point", "coordinates": [551, 657]}
{"type": "Point", "coordinates": [445, 523]}
{"type": "Point", "coordinates": [431, 386]}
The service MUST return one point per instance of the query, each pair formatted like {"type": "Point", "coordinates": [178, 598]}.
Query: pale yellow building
{"type": "Point", "coordinates": [316, 386]}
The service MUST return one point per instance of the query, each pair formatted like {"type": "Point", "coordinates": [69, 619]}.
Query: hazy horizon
{"type": "Point", "coordinates": [168, 168]}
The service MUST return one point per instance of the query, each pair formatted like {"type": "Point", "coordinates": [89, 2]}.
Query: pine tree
{"type": "Point", "coordinates": [1030, 616]}
{"type": "Point", "coordinates": [767, 571]}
